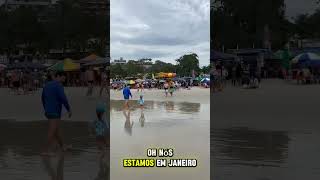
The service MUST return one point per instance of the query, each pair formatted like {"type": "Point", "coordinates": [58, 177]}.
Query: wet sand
{"type": "Point", "coordinates": [270, 133]}
{"type": "Point", "coordinates": [29, 107]}
{"type": "Point", "coordinates": [180, 122]}
{"type": "Point", "coordinates": [23, 130]}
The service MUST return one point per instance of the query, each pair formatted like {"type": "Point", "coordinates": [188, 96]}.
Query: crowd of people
{"type": "Point", "coordinates": [22, 81]}
{"type": "Point", "coordinates": [307, 76]}
{"type": "Point", "coordinates": [156, 84]}
{"type": "Point", "coordinates": [250, 75]}
{"type": "Point", "coordinates": [240, 74]}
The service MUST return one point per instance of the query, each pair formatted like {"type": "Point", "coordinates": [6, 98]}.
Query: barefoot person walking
{"type": "Point", "coordinates": [53, 97]}
{"type": "Point", "coordinates": [126, 95]}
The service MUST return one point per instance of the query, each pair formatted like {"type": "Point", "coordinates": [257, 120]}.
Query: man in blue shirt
{"type": "Point", "coordinates": [126, 95]}
{"type": "Point", "coordinates": [53, 98]}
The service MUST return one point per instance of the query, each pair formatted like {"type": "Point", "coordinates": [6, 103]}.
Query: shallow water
{"type": "Point", "coordinates": [179, 125]}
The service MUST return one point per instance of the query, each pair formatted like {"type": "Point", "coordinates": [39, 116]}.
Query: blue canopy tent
{"type": "Point", "coordinates": [307, 59]}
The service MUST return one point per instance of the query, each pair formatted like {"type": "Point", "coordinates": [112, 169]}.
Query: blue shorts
{"type": "Point", "coordinates": [53, 116]}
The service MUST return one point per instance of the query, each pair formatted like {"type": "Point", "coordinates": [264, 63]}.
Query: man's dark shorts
{"type": "Point", "coordinates": [52, 116]}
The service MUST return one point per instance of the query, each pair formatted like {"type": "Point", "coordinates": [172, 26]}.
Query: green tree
{"type": "Point", "coordinates": [206, 69]}
{"type": "Point", "coordinates": [188, 63]}
{"type": "Point", "coordinates": [307, 26]}
{"type": "Point", "coordinates": [117, 71]}
{"type": "Point", "coordinates": [133, 69]}
{"type": "Point", "coordinates": [243, 22]}
{"type": "Point", "coordinates": [160, 66]}
{"type": "Point", "coordinates": [20, 27]}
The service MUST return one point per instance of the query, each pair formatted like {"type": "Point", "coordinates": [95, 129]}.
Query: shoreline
{"type": "Point", "coordinates": [195, 95]}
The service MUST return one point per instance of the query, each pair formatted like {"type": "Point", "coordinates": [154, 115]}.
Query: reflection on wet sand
{"type": "Point", "coordinates": [247, 147]}
{"type": "Point", "coordinates": [128, 124]}
{"type": "Point", "coordinates": [104, 168]}
{"type": "Point", "coordinates": [56, 173]}
{"type": "Point", "coordinates": [20, 153]}
{"type": "Point", "coordinates": [142, 119]}
{"type": "Point", "coordinates": [166, 124]}
{"type": "Point", "coordinates": [184, 107]}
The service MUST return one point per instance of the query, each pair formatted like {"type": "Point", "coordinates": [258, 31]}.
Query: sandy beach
{"type": "Point", "coordinates": [266, 133]}
{"type": "Point", "coordinates": [168, 123]}
{"type": "Point", "coordinates": [23, 130]}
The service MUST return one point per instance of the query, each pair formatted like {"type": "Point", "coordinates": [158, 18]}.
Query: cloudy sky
{"type": "Point", "coordinates": [295, 7]}
{"type": "Point", "coordinates": [160, 29]}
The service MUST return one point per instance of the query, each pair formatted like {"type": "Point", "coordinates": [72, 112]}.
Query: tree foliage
{"type": "Point", "coordinates": [188, 63]}
{"type": "Point", "coordinates": [185, 65]}
{"type": "Point", "coordinates": [66, 26]}
{"type": "Point", "coordinates": [307, 26]}
{"type": "Point", "coordinates": [243, 22]}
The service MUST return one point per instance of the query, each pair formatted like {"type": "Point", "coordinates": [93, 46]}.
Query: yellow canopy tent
{"type": "Point", "coordinates": [65, 65]}
{"type": "Point", "coordinates": [166, 75]}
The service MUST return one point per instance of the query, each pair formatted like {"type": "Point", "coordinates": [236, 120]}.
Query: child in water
{"type": "Point", "coordinates": [101, 128]}
{"type": "Point", "coordinates": [141, 101]}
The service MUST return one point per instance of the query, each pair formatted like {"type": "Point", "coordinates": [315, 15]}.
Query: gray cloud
{"type": "Point", "coordinates": [296, 7]}
{"type": "Point", "coordinates": [162, 30]}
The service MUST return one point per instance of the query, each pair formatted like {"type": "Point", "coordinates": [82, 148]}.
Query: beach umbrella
{"type": "Point", "coordinates": [66, 65]}
{"type": "Point", "coordinates": [90, 58]}
{"type": "Point", "coordinates": [139, 80]}
{"type": "Point", "coordinates": [306, 59]}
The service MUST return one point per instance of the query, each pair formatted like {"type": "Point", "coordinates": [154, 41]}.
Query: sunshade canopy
{"type": "Point", "coordinates": [65, 65]}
